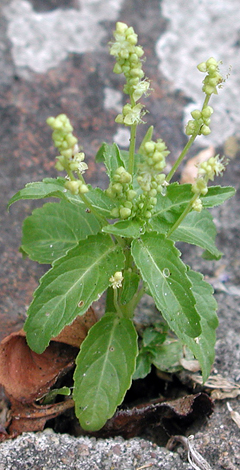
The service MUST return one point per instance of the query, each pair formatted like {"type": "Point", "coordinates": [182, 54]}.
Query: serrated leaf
{"type": "Point", "coordinates": [48, 187]}
{"type": "Point", "coordinates": [198, 229]}
{"type": "Point", "coordinates": [110, 155]}
{"type": "Point", "coordinates": [51, 187]}
{"type": "Point", "coordinates": [171, 206]}
{"type": "Point", "coordinates": [55, 228]}
{"type": "Point", "coordinates": [104, 370]}
{"type": "Point", "coordinates": [100, 201]}
{"type": "Point", "coordinates": [130, 286]}
{"type": "Point", "coordinates": [165, 274]}
{"type": "Point", "coordinates": [70, 287]}
{"type": "Point", "coordinates": [217, 195]}
{"type": "Point", "coordinates": [125, 228]}
{"type": "Point", "coordinates": [203, 346]}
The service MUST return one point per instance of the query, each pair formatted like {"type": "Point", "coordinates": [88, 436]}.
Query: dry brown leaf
{"type": "Point", "coordinates": [190, 170]}
{"type": "Point", "coordinates": [195, 459]}
{"type": "Point", "coordinates": [192, 366]}
{"type": "Point", "coordinates": [170, 415]}
{"type": "Point", "coordinates": [234, 415]}
{"type": "Point", "coordinates": [222, 387]}
{"type": "Point", "coordinates": [27, 376]}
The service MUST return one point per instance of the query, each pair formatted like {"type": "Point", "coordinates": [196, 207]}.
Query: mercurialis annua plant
{"type": "Point", "coordinates": [121, 241]}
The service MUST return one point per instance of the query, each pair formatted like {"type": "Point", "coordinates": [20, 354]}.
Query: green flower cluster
{"type": "Point", "coordinates": [213, 77]}
{"type": "Point", "coordinates": [70, 159]}
{"type": "Point", "coordinates": [128, 61]}
{"type": "Point", "coordinates": [214, 166]}
{"type": "Point", "coordinates": [120, 190]}
{"type": "Point", "coordinates": [201, 121]}
{"type": "Point", "coordinates": [149, 177]}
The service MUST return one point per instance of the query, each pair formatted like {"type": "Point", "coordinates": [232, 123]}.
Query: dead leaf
{"type": "Point", "coordinates": [169, 414]}
{"type": "Point", "coordinates": [27, 376]}
{"type": "Point", "coordinates": [234, 415]}
{"type": "Point", "coordinates": [192, 366]}
{"type": "Point", "coordinates": [190, 170]}
{"type": "Point", "coordinates": [195, 459]}
{"type": "Point", "coordinates": [32, 417]}
{"type": "Point", "coordinates": [222, 387]}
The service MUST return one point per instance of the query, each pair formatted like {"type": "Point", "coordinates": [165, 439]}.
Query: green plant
{"type": "Point", "coordinates": [122, 241]}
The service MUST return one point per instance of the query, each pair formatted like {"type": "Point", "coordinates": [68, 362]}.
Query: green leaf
{"type": "Point", "coordinates": [203, 346]}
{"type": "Point", "coordinates": [126, 228]}
{"type": "Point", "coordinates": [100, 201]}
{"type": "Point", "coordinates": [217, 195]}
{"type": "Point", "coordinates": [104, 370]}
{"type": "Point", "coordinates": [152, 337]}
{"type": "Point", "coordinates": [110, 155]}
{"type": "Point", "coordinates": [171, 206]}
{"type": "Point", "coordinates": [51, 187]}
{"type": "Point", "coordinates": [166, 357]}
{"type": "Point", "coordinates": [165, 274]}
{"type": "Point", "coordinates": [130, 286]}
{"type": "Point", "coordinates": [198, 229]}
{"type": "Point", "coordinates": [143, 365]}
{"type": "Point", "coordinates": [70, 287]}
{"type": "Point", "coordinates": [55, 228]}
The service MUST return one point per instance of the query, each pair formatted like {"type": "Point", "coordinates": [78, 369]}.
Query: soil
{"type": "Point", "coordinates": [75, 86]}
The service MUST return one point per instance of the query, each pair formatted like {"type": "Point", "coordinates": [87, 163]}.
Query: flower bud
{"type": "Point", "coordinates": [125, 212]}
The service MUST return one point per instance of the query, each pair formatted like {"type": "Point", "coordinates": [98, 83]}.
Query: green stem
{"type": "Point", "coordinates": [181, 156]}
{"type": "Point", "coordinates": [187, 146]}
{"type": "Point", "coordinates": [115, 301]}
{"type": "Point", "coordinates": [183, 215]}
{"type": "Point", "coordinates": [132, 149]}
{"type": "Point", "coordinates": [136, 298]}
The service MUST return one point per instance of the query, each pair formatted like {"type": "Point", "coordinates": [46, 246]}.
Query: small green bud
{"type": "Point", "coordinates": [121, 28]}
{"type": "Point", "coordinates": [83, 189]}
{"type": "Point", "coordinates": [117, 68]}
{"type": "Point", "coordinates": [114, 213]}
{"type": "Point", "coordinates": [196, 114]}
{"type": "Point", "coordinates": [202, 67]}
{"type": "Point", "coordinates": [207, 112]}
{"type": "Point", "coordinates": [205, 130]}
{"type": "Point", "coordinates": [125, 212]}
{"type": "Point", "coordinates": [131, 194]}
{"type": "Point", "coordinates": [73, 186]}
{"type": "Point", "coordinates": [59, 166]}
{"type": "Point", "coordinates": [197, 205]}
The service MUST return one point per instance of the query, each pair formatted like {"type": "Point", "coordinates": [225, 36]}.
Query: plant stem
{"type": "Point", "coordinates": [115, 301]}
{"type": "Point", "coordinates": [132, 149]}
{"type": "Point", "coordinates": [187, 146]}
{"type": "Point", "coordinates": [183, 215]}
{"type": "Point", "coordinates": [181, 156]}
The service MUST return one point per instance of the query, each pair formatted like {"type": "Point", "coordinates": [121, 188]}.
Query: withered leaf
{"type": "Point", "coordinates": [27, 376]}
{"type": "Point", "coordinates": [171, 415]}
